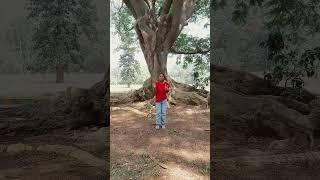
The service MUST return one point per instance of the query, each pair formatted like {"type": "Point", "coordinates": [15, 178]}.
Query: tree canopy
{"type": "Point", "coordinates": [291, 26]}
{"type": "Point", "coordinates": [59, 24]}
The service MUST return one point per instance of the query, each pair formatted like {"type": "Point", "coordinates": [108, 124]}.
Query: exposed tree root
{"type": "Point", "coordinates": [70, 151]}
{"type": "Point", "coordinates": [73, 109]}
{"type": "Point", "coordinates": [179, 93]}
{"type": "Point", "coordinates": [246, 104]}
{"type": "Point", "coordinates": [270, 159]}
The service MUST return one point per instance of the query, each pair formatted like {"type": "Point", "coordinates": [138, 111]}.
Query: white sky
{"type": "Point", "coordinates": [194, 29]}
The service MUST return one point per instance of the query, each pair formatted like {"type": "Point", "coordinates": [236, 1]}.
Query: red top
{"type": "Point", "coordinates": [161, 91]}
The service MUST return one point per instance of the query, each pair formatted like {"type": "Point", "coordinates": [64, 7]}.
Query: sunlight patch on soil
{"type": "Point", "coordinates": [156, 140]}
{"type": "Point", "coordinates": [190, 156]}
{"type": "Point", "coordinates": [179, 173]}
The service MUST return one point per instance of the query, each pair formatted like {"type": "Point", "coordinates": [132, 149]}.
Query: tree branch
{"type": "Point", "coordinates": [182, 10]}
{"type": "Point", "coordinates": [151, 4]}
{"type": "Point", "coordinates": [148, 3]}
{"type": "Point", "coordinates": [173, 51]}
{"type": "Point", "coordinates": [165, 7]}
{"type": "Point", "coordinates": [137, 7]}
{"type": "Point", "coordinates": [121, 5]}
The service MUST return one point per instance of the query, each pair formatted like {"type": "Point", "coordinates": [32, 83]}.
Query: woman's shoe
{"type": "Point", "coordinates": [157, 126]}
{"type": "Point", "coordinates": [163, 126]}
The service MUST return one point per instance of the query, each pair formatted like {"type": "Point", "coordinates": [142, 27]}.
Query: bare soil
{"type": "Point", "coordinates": [252, 160]}
{"type": "Point", "coordinates": [34, 164]}
{"type": "Point", "coordinates": [139, 151]}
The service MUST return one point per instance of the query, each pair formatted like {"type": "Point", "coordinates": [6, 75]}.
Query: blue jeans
{"type": "Point", "coordinates": [161, 110]}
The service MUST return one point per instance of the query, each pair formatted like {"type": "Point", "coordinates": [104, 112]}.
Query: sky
{"type": "Point", "coordinates": [194, 29]}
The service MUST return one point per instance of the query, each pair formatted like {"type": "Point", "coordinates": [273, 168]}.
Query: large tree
{"type": "Point", "coordinates": [158, 26]}
{"type": "Point", "coordinates": [59, 26]}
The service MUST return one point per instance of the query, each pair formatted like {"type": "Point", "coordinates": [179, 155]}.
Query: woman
{"type": "Point", "coordinates": [161, 88]}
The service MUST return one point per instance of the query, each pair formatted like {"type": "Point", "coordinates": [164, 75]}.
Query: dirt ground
{"type": "Point", "coordinates": [236, 158]}
{"type": "Point", "coordinates": [61, 154]}
{"type": "Point", "coordinates": [238, 155]}
{"type": "Point", "coordinates": [139, 151]}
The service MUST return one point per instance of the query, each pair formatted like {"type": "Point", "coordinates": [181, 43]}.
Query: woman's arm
{"type": "Point", "coordinates": [154, 88]}
{"type": "Point", "coordinates": [167, 86]}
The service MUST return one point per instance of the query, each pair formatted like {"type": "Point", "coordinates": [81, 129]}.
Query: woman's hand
{"type": "Point", "coordinates": [154, 85]}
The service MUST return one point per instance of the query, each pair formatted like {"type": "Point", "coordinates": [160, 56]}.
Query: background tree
{"type": "Point", "coordinates": [292, 26]}
{"type": "Point", "coordinates": [94, 52]}
{"type": "Point", "coordinates": [130, 69]}
{"type": "Point", "coordinates": [59, 26]}
{"type": "Point", "coordinates": [18, 42]}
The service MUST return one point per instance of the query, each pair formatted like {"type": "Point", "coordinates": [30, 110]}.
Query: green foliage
{"type": "Point", "coordinates": [16, 47]}
{"type": "Point", "coordinates": [200, 66]}
{"type": "Point", "coordinates": [60, 23]}
{"type": "Point", "coordinates": [123, 23]}
{"type": "Point", "coordinates": [95, 54]}
{"type": "Point", "coordinates": [187, 43]}
{"type": "Point", "coordinates": [130, 68]}
{"type": "Point", "coordinates": [290, 25]}
{"type": "Point", "coordinates": [201, 11]}
{"type": "Point", "coordinates": [199, 61]}
{"type": "Point", "coordinates": [183, 75]}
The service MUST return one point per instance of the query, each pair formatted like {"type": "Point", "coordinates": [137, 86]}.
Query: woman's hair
{"type": "Point", "coordinates": [163, 76]}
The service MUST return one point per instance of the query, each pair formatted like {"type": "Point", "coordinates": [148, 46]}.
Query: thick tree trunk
{"type": "Point", "coordinates": [157, 33]}
{"type": "Point", "coordinates": [156, 59]}
{"type": "Point", "coordinates": [157, 63]}
{"type": "Point", "coordinates": [156, 55]}
{"type": "Point", "coordinates": [59, 75]}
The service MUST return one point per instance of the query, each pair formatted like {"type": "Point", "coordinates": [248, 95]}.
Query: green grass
{"type": "Point", "coordinates": [202, 167]}
{"type": "Point", "coordinates": [122, 169]}
{"type": "Point", "coordinates": [141, 165]}
{"type": "Point", "coordinates": [144, 159]}
{"type": "Point", "coordinates": [124, 172]}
